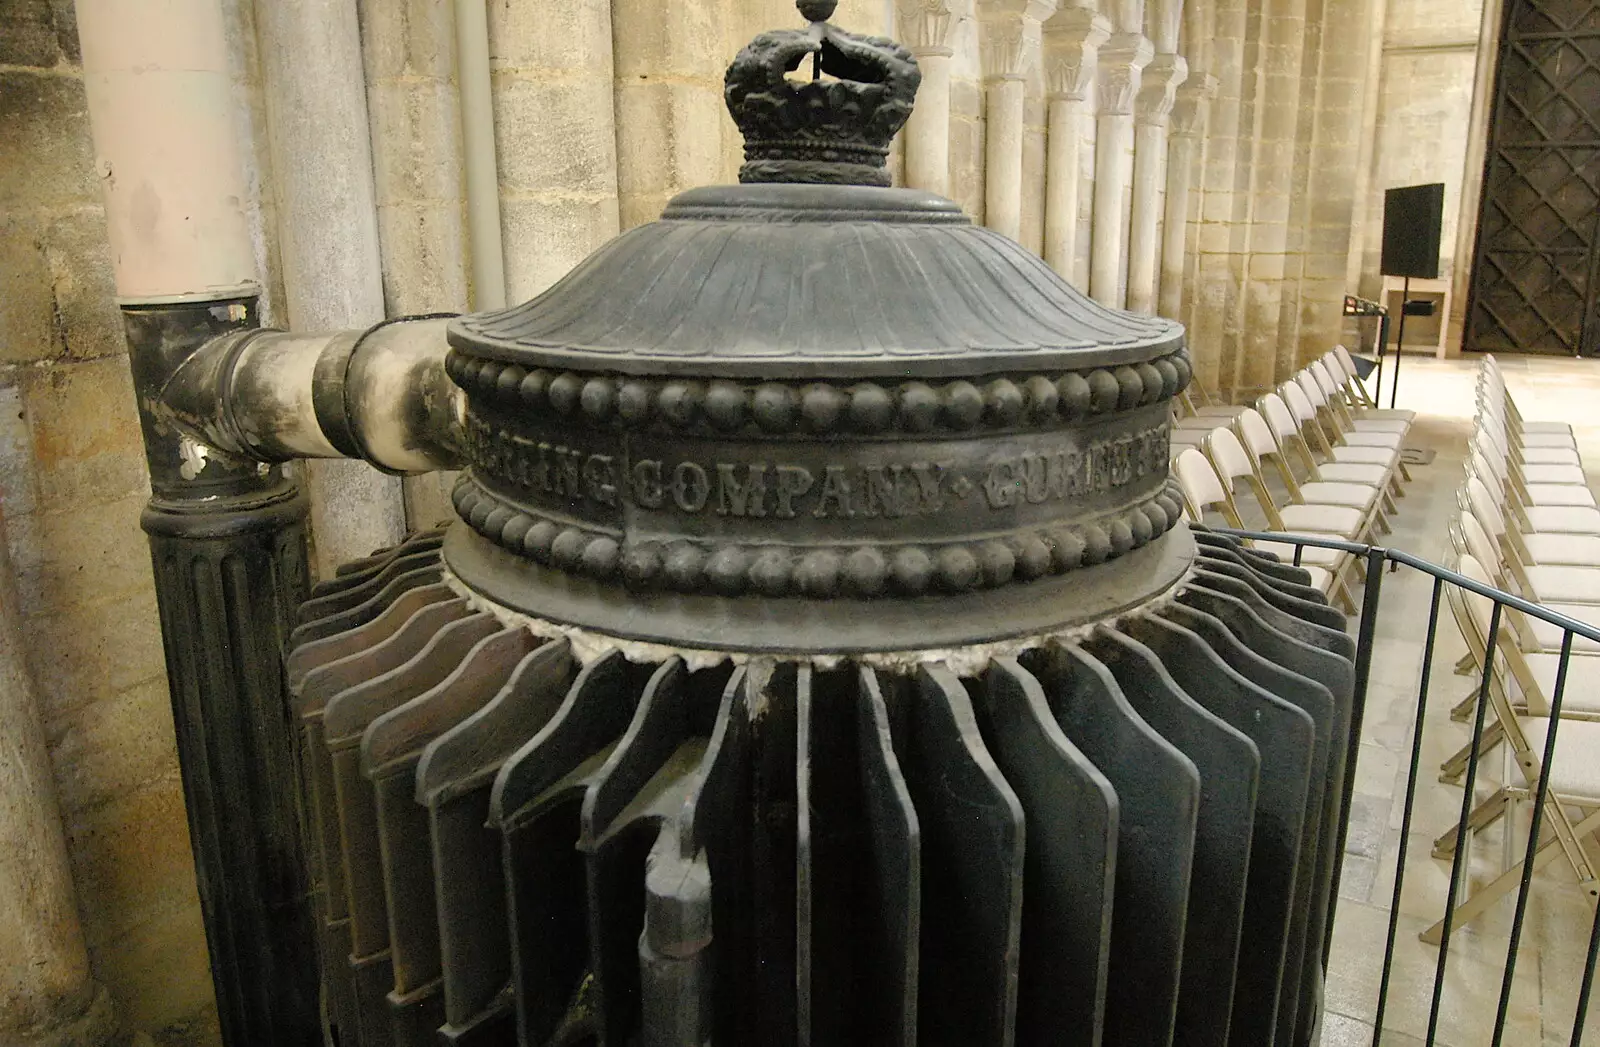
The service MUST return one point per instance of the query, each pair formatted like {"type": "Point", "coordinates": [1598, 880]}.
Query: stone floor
{"type": "Point", "coordinates": [1558, 921]}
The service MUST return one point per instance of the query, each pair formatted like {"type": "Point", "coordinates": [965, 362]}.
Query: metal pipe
{"type": "Point", "coordinates": [480, 164]}
{"type": "Point", "coordinates": [379, 395]}
{"type": "Point", "coordinates": [227, 535]}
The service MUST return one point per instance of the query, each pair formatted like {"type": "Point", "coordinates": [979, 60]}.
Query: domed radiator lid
{"type": "Point", "coordinates": [813, 412]}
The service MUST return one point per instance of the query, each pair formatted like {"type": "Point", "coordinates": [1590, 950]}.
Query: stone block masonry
{"type": "Point", "coordinates": [72, 483]}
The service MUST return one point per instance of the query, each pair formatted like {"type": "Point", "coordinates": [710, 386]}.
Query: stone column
{"type": "Point", "coordinates": [1157, 91]}
{"type": "Point", "coordinates": [1072, 40]}
{"type": "Point", "coordinates": [46, 994]}
{"type": "Point", "coordinates": [328, 236]}
{"type": "Point", "coordinates": [1122, 60]}
{"type": "Point", "coordinates": [555, 126]}
{"type": "Point", "coordinates": [1011, 32]}
{"type": "Point", "coordinates": [1183, 156]}
{"type": "Point", "coordinates": [1263, 358]}
{"type": "Point", "coordinates": [413, 98]}
{"type": "Point", "coordinates": [925, 28]}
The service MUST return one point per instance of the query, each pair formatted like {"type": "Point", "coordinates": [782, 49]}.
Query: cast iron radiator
{"type": "Point", "coordinates": [1127, 838]}
{"type": "Point", "coordinates": [816, 656]}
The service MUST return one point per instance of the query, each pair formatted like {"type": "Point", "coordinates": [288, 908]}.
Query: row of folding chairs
{"type": "Point", "coordinates": [1527, 522]}
{"type": "Point", "coordinates": [1336, 456]}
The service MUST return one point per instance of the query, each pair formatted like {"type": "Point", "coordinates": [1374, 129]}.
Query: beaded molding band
{"type": "Point", "coordinates": [819, 407]}
{"type": "Point", "coordinates": [864, 571]}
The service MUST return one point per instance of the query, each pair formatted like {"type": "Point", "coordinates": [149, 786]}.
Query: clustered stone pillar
{"type": "Point", "coordinates": [1122, 61]}
{"type": "Point", "coordinates": [1010, 45]}
{"type": "Point", "coordinates": [1262, 355]}
{"type": "Point", "coordinates": [1072, 46]}
{"type": "Point", "coordinates": [1158, 87]}
{"type": "Point", "coordinates": [46, 994]}
{"type": "Point", "coordinates": [555, 126]}
{"type": "Point", "coordinates": [1183, 155]}
{"type": "Point", "coordinates": [925, 27]}
{"type": "Point", "coordinates": [413, 95]}
{"type": "Point", "coordinates": [328, 235]}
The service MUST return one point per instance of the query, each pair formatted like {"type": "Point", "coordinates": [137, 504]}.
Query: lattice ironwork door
{"type": "Point", "coordinates": [1534, 281]}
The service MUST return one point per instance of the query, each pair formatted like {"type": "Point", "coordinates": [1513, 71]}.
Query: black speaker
{"type": "Point", "coordinates": [1412, 216]}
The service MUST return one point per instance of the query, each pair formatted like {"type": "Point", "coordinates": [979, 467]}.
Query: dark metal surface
{"type": "Point", "coordinates": [816, 406]}
{"type": "Point", "coordinates": [1158, 795]}
{"type": "Point", "coordinates": [1534, 286]}
{"type": "Point", "coordinates": [784, 854]}
{"type": "Point", "coordinates": [228, 547]}
{"type": "Point", "coordinates": [1229, 765]}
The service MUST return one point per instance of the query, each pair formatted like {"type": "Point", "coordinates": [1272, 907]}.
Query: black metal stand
{"type": "Point", "coordinates": [1399, 340]}
{"type": "Point", "coordinates": [228, 543]}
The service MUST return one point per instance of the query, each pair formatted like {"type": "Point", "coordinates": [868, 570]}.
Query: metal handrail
{"type": "Point", "coordinates": [1376, 556]}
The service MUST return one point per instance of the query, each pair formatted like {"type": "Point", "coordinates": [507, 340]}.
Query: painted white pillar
{"type": "Point", "coordinates": [1183, 155]}
{"type": "Point", "coordinates": [321, 141]}
{"type": "Point", "coordinates": [925, 29]}
{"type": "Point", "coordinates": [1011, 36]}
{"type": "Point", "coordinates": [1072, 39]}
{"type": "Point", "coordinates": [46, 994]}
{"type": "Point", "coordinates": [1122, 60]}
{"type": "Point", "coordinates": [1157, 91]}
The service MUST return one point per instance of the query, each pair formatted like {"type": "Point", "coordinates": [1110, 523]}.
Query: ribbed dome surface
{"type": "Point", "coordinates": [773, 281]}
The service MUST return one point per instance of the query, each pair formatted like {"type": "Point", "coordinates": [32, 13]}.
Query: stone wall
{"type": "Point", "coordinates": [1420, 129]}
{"type": "Point", "coordinates": [72, 484]}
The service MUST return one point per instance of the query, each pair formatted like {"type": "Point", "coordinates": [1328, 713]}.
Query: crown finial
{"type": "Point", "coordinates": [836, 130]}
{"type": "Point", "coordinates": [816, 10]}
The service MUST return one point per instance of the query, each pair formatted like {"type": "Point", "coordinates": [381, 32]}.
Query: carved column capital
{"type": "Point", "coordinates": [925, 26]}
{"type": "Point", "coordinates": [1072, 40]}
{"type": "Point", "coordinates": [1122, 61]}
{"type": "Point", "coordinates": [1158, 88]}
{"type": "Point", "coordinates": [1011, 36]}
{"type": "Point", "coordinates": [1190, 105]}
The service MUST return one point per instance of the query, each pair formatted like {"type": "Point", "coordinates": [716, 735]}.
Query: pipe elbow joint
{"type": "Point", "coordinates": [380, 395]}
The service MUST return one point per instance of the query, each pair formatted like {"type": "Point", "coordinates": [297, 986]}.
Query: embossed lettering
{"type": "Point", "coordinates": [541, 467]}
{"type": "Point", "coordinates": [690, 487]}
{"type": "Point", "coordinates": [647, 487]}
{"type": "Point", "coordinates": [793, 481]}
{"type": "Point", "coordinates": [598, 481]}
{"type": "Point", "coordinates": [929, 476]}
{"type": "Point", "coordinates": [568, 478]}
{"type": "Point", "coordinates": [742, 499]}
{"type": "Point", "coordinates": [835, 489]}
{"type": "Point", "coordinates": [1001, 485]}
{"type": "Point", "coordinates": [883, 493]}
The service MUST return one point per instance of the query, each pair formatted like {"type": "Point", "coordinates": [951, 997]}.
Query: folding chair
{"type": "Point", "coordinates": [1337, 449]}
{"type": "Point", "coordinates": [1286, 432]}
{"type": "Point", "coordinates": [1342, 366]}
{"type": "Point", "coordinates": [1574, 772]}
{"type": "Point", "coordinates": [1204, 489]}
{"type": "Point", "coordinates": [1364, 419]}
{"type": "Point", "coordinates": [1262, 446]}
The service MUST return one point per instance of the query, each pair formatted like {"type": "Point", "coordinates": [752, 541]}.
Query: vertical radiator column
{"type": "Point", "coordinates": [227, 536]}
